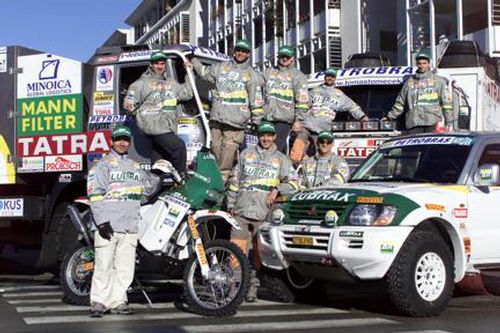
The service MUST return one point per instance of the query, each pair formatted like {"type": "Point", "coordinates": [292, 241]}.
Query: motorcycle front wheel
{"type": "Point", "coordinates": [223, 290]}
{"type": "Point", "coordinates": [76, 275]}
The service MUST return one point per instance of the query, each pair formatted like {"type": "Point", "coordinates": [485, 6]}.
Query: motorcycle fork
{"type": "Point", "coordinates": [198, 246]}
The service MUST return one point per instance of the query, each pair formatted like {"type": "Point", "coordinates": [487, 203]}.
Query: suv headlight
{"type": "Point", "coordinates": [277, 216]}
{"type": "Point", "coordinates": [369, 214]}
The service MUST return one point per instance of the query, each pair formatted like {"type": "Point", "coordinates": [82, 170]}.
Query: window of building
{"type": "Point", "coordinates": [222, 49]}
{"type": "Point", "coordinates": [258, 31]}
{"type": "Point", "coordinates": [320, 60]}
{"type": "Point", "coordinates": [304, 7]}
{"type": "Point", "coordinates": [318, 7]}
{"type": "Point", "coordinates": [269, 25]}
{"type": "Point", "coordinates": [305, 64]}
{"type": "Point", "coordinates": [290, 8]}
{"type": "Point", "coordinates": [388, 41]}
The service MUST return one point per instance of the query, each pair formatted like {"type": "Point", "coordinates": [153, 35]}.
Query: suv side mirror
{"type": "Point", "coordinates": [487, 174]}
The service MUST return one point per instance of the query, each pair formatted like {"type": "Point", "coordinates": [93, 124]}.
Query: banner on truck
{"type": "Point", "coordinates": [12, 207]}
{"type": "Point", "coordinates": [48, 75]}
{"type": "Point", "coordinates": [104, 78]}
{"type": "Point", "coordinates": [64, 144]}
{"type": "Point", "coordinates": [49, 115]}
{"type": "Point", "coordinates": [63, 163]}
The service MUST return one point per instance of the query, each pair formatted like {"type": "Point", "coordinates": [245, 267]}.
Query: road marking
{"type": "Point", "coordinates": [69, 307]}
{"type": "Point", "coordinates": [180, 315]}
{"type": "Point", "coordinates": [39, 293]}
{"type": "Point", "coordinates": [288, 325]}
{"type": "Point", "coordinates": [31, 287]}
{"type": "Point", "coordinates": [35, 301]}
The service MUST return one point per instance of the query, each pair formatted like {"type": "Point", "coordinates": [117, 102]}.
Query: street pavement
{"type": "Point", "coordinates": [36, 306]}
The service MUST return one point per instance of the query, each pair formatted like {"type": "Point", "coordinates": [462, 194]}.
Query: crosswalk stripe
{"type": "Point", "coordinates": [69, 307]}
{"type": "Point", "coordinates": [287, 325]}
{"type": "Point", "coordinates": [34, 287]}
{"type": "Point", "coordinates": [37, 293]}
{"type": "Point", "coordinates": [35, 301]}
{"type": "Point", "coordinates": [178, 315]}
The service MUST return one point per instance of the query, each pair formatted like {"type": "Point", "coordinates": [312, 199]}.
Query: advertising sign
{"type": "Point", "coordinates": [103, 105]}
{"type": "Point", "coordinates": [3, 59]}
{"type": "Point", "coordinates": [64, 144]}
{"type": "Point", "coordinates": [50, 115]}
{"type": "Point", "coordinates": [104, 78]}
{"type": "Point", "coordinates": [31, 164]}
{"type": "Point", "coordinates": [49, 95]}
{"type": "Point", "coordinates": [373, 76]}
{"type": "Point", "coordinates": [63, 163]}
{"type": "Point", "coordinates": [11, 207]}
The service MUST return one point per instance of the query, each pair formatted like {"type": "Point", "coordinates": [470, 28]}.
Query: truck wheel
{"type": "Point", "coordinates": [288, 285]}
{"type": "Point", "coordinates": [420, 280]}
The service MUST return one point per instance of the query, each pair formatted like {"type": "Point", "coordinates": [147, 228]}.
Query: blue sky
{"type": "Point", "coordinates": [69, 28]}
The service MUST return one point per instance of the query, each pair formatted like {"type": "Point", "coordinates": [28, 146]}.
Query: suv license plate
{"type": "Point", "coordinates": [302, 240]}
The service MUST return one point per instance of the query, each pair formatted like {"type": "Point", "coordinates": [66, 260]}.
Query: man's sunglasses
{"type": "Point", "coordinates": [241, 50]}
{"type": "Point", "coordinates": [325, 141]}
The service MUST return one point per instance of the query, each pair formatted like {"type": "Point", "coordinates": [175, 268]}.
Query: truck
{"type": "Point", "coordinates": [56, 117]}
{"type": "Point", "coordinates": [472, 79]}
{"type": "Point", "coordinates": [418, 216]}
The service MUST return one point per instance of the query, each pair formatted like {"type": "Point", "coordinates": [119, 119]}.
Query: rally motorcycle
{"type": "Point", "coordinates": [181, 227]}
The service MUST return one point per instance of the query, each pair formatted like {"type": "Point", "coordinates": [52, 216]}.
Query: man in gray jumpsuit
{"type": "Point", "coordinates": [427, 98]}
{"type": "Point", "coordinates": [153, 100]}
{"type": "Point", "coordinates": [325, 168]}
{"type": "Point", "coordinates": [237, 101]}
{"type": "Point", "coordinates": [115, 186]}
{"type": "Point", "coordinates": [261, 173]}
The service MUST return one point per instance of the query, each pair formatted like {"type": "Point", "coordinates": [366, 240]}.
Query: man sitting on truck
{"type": "Point", "coordinates": [260, 174]}
{"type": "Point", "coordinates": [115, 186]}
{"type": "Point", "coordinates": [325, 168]}
{"type": "Point", "coordinates": [153, 100]}
{"type": "Point", "coordinates": [324, 103]}
{"type": "Point", "coordinates": [238, 100]}
{"type": "Point", "coordinates": [427, 97]}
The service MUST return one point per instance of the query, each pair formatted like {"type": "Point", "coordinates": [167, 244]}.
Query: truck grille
{"type": "Point", "coordinates": [314, 210]}
{"type": "Point", "coordinates": [319, 240]}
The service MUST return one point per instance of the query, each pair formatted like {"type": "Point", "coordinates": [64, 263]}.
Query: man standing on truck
{"type": "Point", "coordinates": [427, 97]}
{"type": "Point", "coordinates": [238, 100]}
{"type": "Point", "coordinates": [324, 103]}
{"type": "Point", "coordinates": [286, 96]}
{"type": "Point", "coordinates": [115, 186]}
{"type": "Point", "coordinates": [261, 173]}
{"type": "Point", "coordinates": [325, 168]}
{"type": "Point", "coordinates": [153, 100]}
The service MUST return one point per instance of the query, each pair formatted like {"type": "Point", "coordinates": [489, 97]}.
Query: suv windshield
{"type": "Point", "coordinates": [401, 160]}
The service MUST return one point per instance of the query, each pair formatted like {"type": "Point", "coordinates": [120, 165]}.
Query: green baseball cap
{"type": "Point", "coordinates": [423, 55]}
{"type": "Point", "coordinates": [331, 71]}
{"type": "Point", "coordinates": [325, 135]}
{"type": "Point", "coordinates": [121, 131]}
{"type": "Point", "coordinates": [243, 45]}
{"type": "Point", "coordinates": [158, 55]}
{"type": "Point", "coordinates": [266, 127]}
{"type": "Point", "coordinates": [286, 50]}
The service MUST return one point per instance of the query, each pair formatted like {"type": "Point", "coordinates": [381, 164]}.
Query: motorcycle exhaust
{"type": "Point", "coordinates": [78, 223]}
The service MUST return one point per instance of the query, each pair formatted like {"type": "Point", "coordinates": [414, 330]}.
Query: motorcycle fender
{"type": "Point", "coordinates": [204, 216]}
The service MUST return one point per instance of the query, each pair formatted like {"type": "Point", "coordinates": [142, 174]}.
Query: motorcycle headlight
{"type": "Point", "coordinates": [277, 216]}
{"type": "Point", "coordinates": [369, 214]}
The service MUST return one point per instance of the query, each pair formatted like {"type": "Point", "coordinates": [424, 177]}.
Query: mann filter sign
{"type": "Point", "coordinates": [49, 95]}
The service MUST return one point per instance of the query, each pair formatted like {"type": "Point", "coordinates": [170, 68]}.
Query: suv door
{"type": "Point", "coordinates": [484, 222]}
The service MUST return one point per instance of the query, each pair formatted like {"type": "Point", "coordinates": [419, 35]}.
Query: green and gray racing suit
{"type": "Point", "coordinates": [116, 185]}
{"type": "Point", "coordinates": [428, 99]}
{"type": "Point", "coordinates": [286, 94]}
{"type": "Point", "coordinates": [324, 103]}
{"type": "Point", "coordinates": [238, 92]}
{"type": "Point", "coordinates": [257, 172]}
{"type": "Point", "coordinates": [323, 171]}
{"type": "Point", "coordinates": [155, 99]}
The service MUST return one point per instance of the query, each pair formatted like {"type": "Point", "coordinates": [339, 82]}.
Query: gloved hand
{"type": "Point", "coordinates": [105, 230]}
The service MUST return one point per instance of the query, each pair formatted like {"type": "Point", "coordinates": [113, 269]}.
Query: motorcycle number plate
{"type": "Point", "coordinates": [302, 240]}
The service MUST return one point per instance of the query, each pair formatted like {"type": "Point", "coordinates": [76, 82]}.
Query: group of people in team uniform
{"type": "Point", "coordinates": [276, 102]}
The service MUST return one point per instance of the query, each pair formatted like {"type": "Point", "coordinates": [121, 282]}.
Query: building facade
{"type": "Point", "coordinates": [323, 32]}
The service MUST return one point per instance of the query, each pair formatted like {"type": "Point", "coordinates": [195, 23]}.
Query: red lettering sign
{"type": "Point", "coordinates": [64, 144]}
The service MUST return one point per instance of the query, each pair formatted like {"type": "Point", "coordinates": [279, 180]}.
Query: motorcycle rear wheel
{"type": "Point", "coordinates": [227, 284]}
{"type": "Point", "coordinates": [76, 275]}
